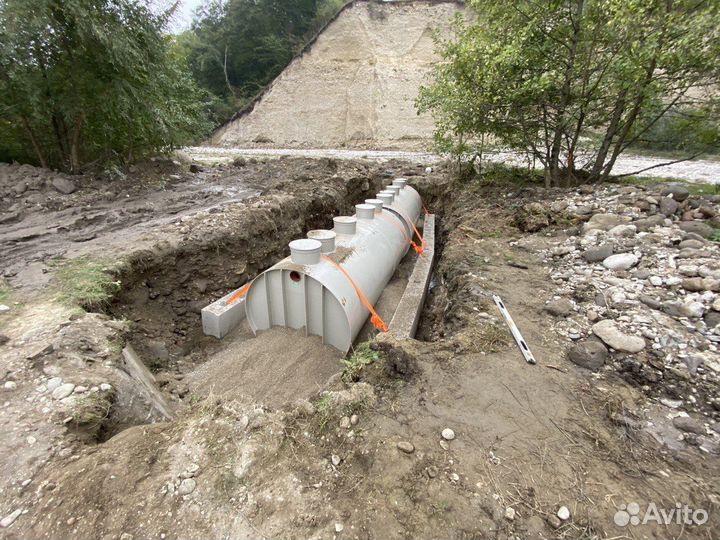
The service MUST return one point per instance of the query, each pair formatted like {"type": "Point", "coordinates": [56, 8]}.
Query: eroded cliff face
{"type": "Point", "coordinates": [355, 86]}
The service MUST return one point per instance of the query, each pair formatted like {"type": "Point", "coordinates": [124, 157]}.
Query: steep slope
{"type": "Point", "coordinates": [354, 86]}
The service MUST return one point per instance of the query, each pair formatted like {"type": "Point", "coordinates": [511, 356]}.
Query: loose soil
{"type": "Point", "coordinates": [269, 441]}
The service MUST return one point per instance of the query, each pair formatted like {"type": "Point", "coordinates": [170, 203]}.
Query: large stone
{"type": "Point", "coordinates": [697, 284]}
{"type": "Point", "coordinates": [688, 425]}
{"type": "Point", "coordinates": [712, 319]}
{"type": "Point", "coordinates": [678, 192]}
{"type": "Point", "coordinates": [623, 231]}
{"type": "Point", "coordinates": [691, 244]}
{"type": "Point", "coordinates": [63, 391]}
{"type": "Point", "coordinates": [589, 355]}
{"type": "Point", "coordinates": [668, 206]}
{"type": "Point", "coordinates": [612, 336]}
{"type": "Point", "coordinates": [649, 301]}
{"type": "Point", "coordinates": [63, 185]}
{"type": "Point", "coordinates": [697, 227]}
{"type": "Point", "coordinates": [621, 261]}
{"type": "Point", "coordinates": [648, 223]}
{"type": "Point", "coordinates": [605, 222]}
{"type": "Point", "coordinates": [598, 254]}
{"type": "Point", "coordinates": [559, 308]}
{"type": "Point", "coordinates": [692, 310]}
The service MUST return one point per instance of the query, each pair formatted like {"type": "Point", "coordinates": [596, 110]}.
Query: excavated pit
{"type": "Point", "coordinates": [164, 293]}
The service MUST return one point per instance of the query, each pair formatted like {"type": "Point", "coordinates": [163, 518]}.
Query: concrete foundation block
{"type": "Point", "coordinates": [407, 315]}
{"type": "Point", "coordinates": [219, 318]}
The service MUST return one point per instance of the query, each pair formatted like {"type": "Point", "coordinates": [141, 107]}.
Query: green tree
{"type": "Point", "coordinates": [572, 83]}
{"type": "Point", "coordinates": [236, 47]}
{"type": "Point", "coordinates": [88, 80]}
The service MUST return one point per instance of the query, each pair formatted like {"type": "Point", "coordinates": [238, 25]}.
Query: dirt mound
{"type": "Point", "coordinates": [357, 83]}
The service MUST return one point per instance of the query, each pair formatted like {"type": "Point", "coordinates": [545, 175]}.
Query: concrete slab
{"type": "Point", "coordinates": [219, 318]}
{"type": "Point", "coordinates": [137, 370]}
{"type": "Point", "coordinates": [407, 315]}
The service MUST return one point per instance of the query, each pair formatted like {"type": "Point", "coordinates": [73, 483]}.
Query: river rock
{"type": "Point", "coordinates": [691, 244]}
{"type": "Point", "coordinates": [187, 486]}
{"type": "Point", "coordinates": [589, 355]}
{"type": "Point", "coordinates": [693, 362]}
{"type": "Point", "coordinates": [406, 447]}
{"type": "Point", "coordinates": [688, 425]}
{"type": "Point", "coordinates": [650, 301]}
{"type": "Point", "coordinates": [10, 518]}
{"type": "Point", "coordinates": [644, 225]}
{"type": "Point", "coordinates": [698, 284]}
{"type": "Point", "coordinates": [676, 191]}
{"type": "Point", "coordinates": [448, 434]}
{"type": "Point", "coordinates": [611, 335]}
{"type": "Point", "coordinates": [668, 206]}
{"type": "Point", "coordinates": [598, 254]}
{"type": "Point", "coordinates": [63, 185]}
{"type": "Point", "coordinates": [559, 308]}
{"type": "Point", "coordinates": [623, 231]}
{"type": "Point", "coordinates": [697, 227]}
{"type": "Point", "coordinates": [605, 222]}
{"type": "Point", "coordinates": [63, 391]}
{"type": "Point", "coordinates": [692, 310]}
{"type": "Point", "coordinates": [621, 261]}
{"type": "Point", "coordinates": [712, 319]}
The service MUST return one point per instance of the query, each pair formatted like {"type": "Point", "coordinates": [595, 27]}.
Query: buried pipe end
{"type": "Point", "coordinates": [305, 251]}
{"type": "Point", "coordinates": [325, 237]}
{"type": "Point", "coordinates": [365, 211]}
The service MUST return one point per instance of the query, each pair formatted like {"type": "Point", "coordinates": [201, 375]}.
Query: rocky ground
{"type": "Point", "coordinates": [696, 170]}
{"type": "Point", "coordinates": [637, 291]}
{"type": "Point", "coordinates": [615, 289]}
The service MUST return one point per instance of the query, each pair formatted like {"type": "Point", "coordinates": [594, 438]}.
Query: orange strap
{"type": "Point", "coordinates": [426, 210]}
{"type": "Point", "coordinates": [235, 297]}
{"type": "Point", "coordinates": [422, 241]}
{"type": "Point", "coordinates": [399, 227]}
{"type": "Point", "coordinates": [375, 319]}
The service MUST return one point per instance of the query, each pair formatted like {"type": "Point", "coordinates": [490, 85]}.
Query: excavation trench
{"type": "Point", "coordinates": [165, 291]}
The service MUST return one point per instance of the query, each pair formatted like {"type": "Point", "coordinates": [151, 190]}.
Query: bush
{"type": "Point", "coordinates": [89, 80]}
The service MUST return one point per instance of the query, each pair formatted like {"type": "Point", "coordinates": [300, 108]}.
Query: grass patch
{"type": "Point", "coordinates": [493, 338]}
{"type": "Point", "coordinates": [498, 174]}
{"type": "Point", "coordinates": [715, 236]}
{"type": "Point", "coordinates": [87, 282]}
{"type": "Point", "coordinates": [324, 409]}
{"type": "Point", "coordinates": [361, 357]}
{"type": "Point", "coordinates": [92, 410]}
{"type": "Point", "coordinates": [4, 292]}
{"type": "Point", "coordinates": [695, 188]}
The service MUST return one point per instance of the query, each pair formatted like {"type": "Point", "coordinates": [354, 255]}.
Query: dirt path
{"type": "Point", "coordinates": [107, 217]}
{"type": "Point", "coordinates": [705, 171]}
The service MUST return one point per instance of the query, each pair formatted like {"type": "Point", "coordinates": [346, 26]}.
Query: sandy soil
{"type": "Point", "coordinates": [357, 81]}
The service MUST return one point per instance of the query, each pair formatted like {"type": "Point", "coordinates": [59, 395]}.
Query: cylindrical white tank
{"type": "Point", "coordinates": [319, 296]}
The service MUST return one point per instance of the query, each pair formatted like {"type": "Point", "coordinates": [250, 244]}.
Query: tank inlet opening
{"type": "Point", "coordinates": [295, 276]}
